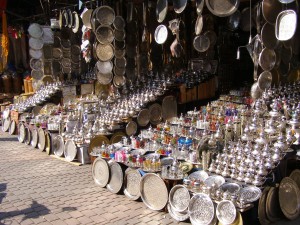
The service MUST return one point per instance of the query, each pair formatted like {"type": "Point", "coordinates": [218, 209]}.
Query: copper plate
{"type": "Point", "coordinates": [105, 15]}
{"type": "Point", "coordinates": [97, 141]}
{"type": "Point", "coordinates": [21, 135]}
{"type": "Point", "coordinates": [179, 198]}
{"type": "Point", "coordinates": [267, 59]}
{"type": "Point", "coordinates": [289, 198]}
{"type": "Point", "coordinates": [131, 128]}
{"type": "Point", "coordinates": [262, 207]}
{"type": "Point", "coordinates": [116, 177]}
{"type": "Point", "coordinates": [201, 209]}
{"type": "Point", "coordinates": [154, 191]}
{"type": "Point", "coordinates": [155, 111]}
{"type": "Point", "coordinates": [12, 127]}
{"type": "Point", "coordinates": [42, 139]}
{"type": "Point", "coordinates": [104, 34]}
{"type": "Point", "coordinates": [132, 182]}
{"type": "Point", "coordinates": [222, 8]}
{"type": "Point", "coordinates": [143, 117]}
{"type": "Point", "coordinates": [270, 10]}
{"type": "Point", "coordinates": [35, 138]}
{"type": "Point", "coordinates": [100, 172]}
{"type": "Point", "coordinates": [169, 107]}
{"type": "Point", "coordinates": [273, 210]}
{"type": "Point", "coordinates": [268, 36]}
{"type": "Point", "coordinates": [28, 136]}
{"type": "Point", "coordinates": [117, 137]}
{"type": "Point", "coordinates": [295, 175]}
{"type": "Point", "coordinates": [105, 52]}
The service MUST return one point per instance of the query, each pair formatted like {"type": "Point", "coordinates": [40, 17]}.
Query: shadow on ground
{"type": "Point", "coordinates": [9, 138]}
{"type": "Point", "coordinates": [28, 213]}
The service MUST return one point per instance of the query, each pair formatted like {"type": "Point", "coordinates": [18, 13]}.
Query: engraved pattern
{"type": "Point", "coordinates": [226, 212]}
{"type": "Point", "coordinates": [201, 209]}
{"type": "Point", "coordinates": [100, 173]}
{"type": "Point", "coordinates": [154, 193]}
{"type": "Point", "coordinates": [250, 194]}
{"type": "Point", "coordinates": [133, 183]}
{"type": "Point", "coordinates": [181, 199]}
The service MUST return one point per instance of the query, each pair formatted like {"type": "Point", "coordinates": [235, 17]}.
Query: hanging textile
{"type": "Point", "coordinates": [4, 40]}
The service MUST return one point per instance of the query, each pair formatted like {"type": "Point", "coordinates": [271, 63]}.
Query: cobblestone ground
{"type": "Point", "coordinates": [38, 189]}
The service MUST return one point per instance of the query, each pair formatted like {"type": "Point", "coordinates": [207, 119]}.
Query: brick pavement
{"type": "Point", "coordinates": [38, 189]}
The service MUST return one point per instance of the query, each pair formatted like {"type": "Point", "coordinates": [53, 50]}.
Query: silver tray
{"type": "Point", "coordinates": [115, 183]}
{"type": "Point", "coordinates": [58, 145]}
{"type": "Point", "coordinates": [143, 118]}
{"type": "Point", "coordinates": [179, 216]}
{"type": "Point", "coordinates": [6, 124]}
{"type": "Point", "coordinates": [70, 150]}
{"type": "Point", "coordinates": [226, 212]}
{"type": "Point", "coordinates": [201, 209]}
{"type": "Point", "coordinates": [155, 112]}
{"type": "Point", "coordinates": [215, 179]}
{"type": "Point", "coordinates": [100, 172]}
{"type": "Point", "coordinates": [132, 184]}
{"type": "Point", "coordinates": [232, 188]}
{"type": "Point", "coordinates": [42, 139]}
{"type": "Point", "coordinates": [22, 132]}
{"type": "Point", "coordinates": [198, 175]}
{"type": "Point", "coordinates": [154, 191]}
{"type": "Point", "coordinates": [179, 198]}
{"type": "Point", "coordinates": [12, 127]}
{"type": "Point", "coordinates": [34, 138]}
{"type": "Point", "coordinates": [250, 194]}
{"type": "Point", "coordinates": [28, 136]}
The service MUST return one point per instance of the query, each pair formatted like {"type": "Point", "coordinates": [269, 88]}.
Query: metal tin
{"type": "Point", "coordinates": [289, 198]}
{"type": "Point", "coordinates": [100, 172]}
{"type": "Point", "coordinates": [179, 198]}
{"type": "Point", "coordinates": [70, 150]}
{"type": "Point", "coordinates": [132, 182]}
{"type": "Point", "coordinates": [201, 209]}
{"type": "Point", "coordinates": [154, 191]}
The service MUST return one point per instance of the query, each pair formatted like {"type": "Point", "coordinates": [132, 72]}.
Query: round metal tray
{"type": "Point", "coordinates": [132, 182]}
{"type": "Point", "coordinates": [100, 172]}
{"type": "Point", "coordinates": [154, 191]}
{"type": "Point", "coordinates": [70, 150]}
{"type": "Point", "coordinates": [116, 180]}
